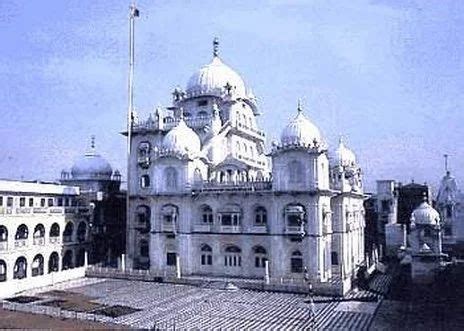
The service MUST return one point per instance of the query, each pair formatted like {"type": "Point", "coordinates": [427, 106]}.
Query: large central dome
{"type": "Point", "coordinates": [213, 78]}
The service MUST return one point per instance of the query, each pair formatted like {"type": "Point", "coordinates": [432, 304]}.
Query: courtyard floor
{"type": "Point", "coordinates": [168, 306]}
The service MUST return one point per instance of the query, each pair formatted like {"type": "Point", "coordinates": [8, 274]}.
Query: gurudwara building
{"type": "Point", "coordinates": [208, 198]}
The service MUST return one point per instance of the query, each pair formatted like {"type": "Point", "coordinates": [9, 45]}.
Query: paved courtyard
{"type": "Point", "coordinates": [169, 306]}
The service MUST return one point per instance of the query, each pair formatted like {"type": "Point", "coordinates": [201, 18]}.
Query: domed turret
{"type": "Point", "coordinates": [343, 155]}
{"type": "Point", "coordinates": [215, 78]}
{"type": "Point", "coordinates": [91, 166]}
{"type": "Point", "coordinates": [425, 215]}
{"type": "Point", "coordinates": [182, 139]}
{"type": "Point", "coordinates": [300, 131]}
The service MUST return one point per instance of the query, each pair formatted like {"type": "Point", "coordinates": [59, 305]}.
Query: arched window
{"type": "Point", "coordinates": [22, 232]}
{"type": "Point", "coordinates": [81, 231]}
{"type": "Point", "coordinates": [55, 230]}
{"type": "Point", "coordinates": [144, 181]}
{"type": "Point", "coordinates": [232, 257]}
{"type": "Point", "coordinates": [20, 268]}
{"type": "Point", "coordinates": [3, 234]}
{"type": "Point", "coordinates": [38, 265]}
{"type": "Point", "coordinates": [260, 256]}
{"type": "Point", "coordinates": [2, 271]}
{"type": "Point", "coordinates": [207, 214]}
{"type": "Point", "coordinates": [197, 176]}
{"type": "Point", "coordinates": [144, 150]}
{"type": "Point", "coordinates": [295, 172]}
{"type": "Point", "coordinates": [67, 260]}
{"type": "Point", "coordinates": [294, 215]}
{"type": "Point", "coordinates": [80, 257]}
{"type": "Point", "coordinates": [143, 215]}
{"type": "Point", "coordinates": [170, 175]}
{"type": "Point", "coordinates": [296, 262]}
{"type": "Point", "coordinates": [53, 262]}
{"type": "Point", "coordinates": [206, 255]}
{"type": "Point", "coordinates": [39, 231]}
{"type": "Point", "coordinates": [260, 216]}
{"type": "Point", "coordinates": [68, 232]}
{"type": "Point", "coordinates": [170, 214]}
{"type": "Point", "coordinates": [230, 215]}
{"type": "Point", "coordinates": [334, 258]}
{"type": "Point", "coordinates": [144, 248]}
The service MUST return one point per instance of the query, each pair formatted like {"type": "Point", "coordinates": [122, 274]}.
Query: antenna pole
{"type": "Point", "coordinates": [446, 162]}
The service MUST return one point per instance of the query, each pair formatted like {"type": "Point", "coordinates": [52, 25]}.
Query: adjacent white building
{"type": "Point", "coordinates": [208, 198]}
{"type": "Point", "coordinates": [42, 232]}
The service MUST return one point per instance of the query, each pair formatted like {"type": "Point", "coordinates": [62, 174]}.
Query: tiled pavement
{"type": "Point", "coordinates": [169, 306]}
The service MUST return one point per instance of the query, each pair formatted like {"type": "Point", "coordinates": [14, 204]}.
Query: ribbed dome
{"type": "Point", "coordinates": [212, 78]}
{"type": "Point", "coordinates": [343, 155]}
{"type": "Point", "coordinates": [182, 139]}
{"type": "Point", "coordinates": [425, 215]}
{"type": "Point", "coordinates": [91, 166]}
{"type": "Point", "coordinates": [300, 131]}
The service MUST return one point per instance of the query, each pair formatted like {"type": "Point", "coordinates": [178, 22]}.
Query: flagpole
{"type": "Point", "coordinates": [130, 120]}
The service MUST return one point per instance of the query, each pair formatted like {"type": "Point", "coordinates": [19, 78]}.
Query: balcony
{"type": "Point", "coordinates": [213, 186]}
{"type": "Point", "coordinates": [202, 227]}
{"type": "Point", "coordinates": [57, 210]}
{"type": "Point", "coordinates": [39, 241]}
{"type": "Point", "coordinates": [231, 228]}
{"type": "Point", "coordinates": [293, 229]}
{"type": "Point", "coordinates": [54, 240]}
{"type": "Point", "coordinates": [3, 245]}
{"type": "Point", "coordinates": [168, 227]}
{"type": "Point", "coordinates": [39, 210]}
{"type": "Point", "coordinates": [259, 229]}
{"type": "Point", "coordinates": [20, 243]}
{"type": "Point", "coordinates": [23, 210]}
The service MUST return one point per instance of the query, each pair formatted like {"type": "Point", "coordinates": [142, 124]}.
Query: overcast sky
{"type": "Point", "coordinates": [388, 75]}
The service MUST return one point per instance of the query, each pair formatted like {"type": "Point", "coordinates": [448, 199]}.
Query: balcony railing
{"type": "Point", "coordinates": [20, 242]}
{"type": "Point", "coordinates": [3, 245]}
{"type": "Point", "coordinates": [39, 241]}
{"type": "Point", "coordinates": [234, 186]}
{"type": "Point", "coordinates": [168, 227]}
{"type": "Point", "coordinates": [231, 228]}
{"type": "Point", "coordinates": [293, 229]}
{"type": "Point", "coordinates": [259, 229]}
{"type": "Point", "coordinates": [202, 227]}
{"type": "Point", "coordinates": [54, 240]}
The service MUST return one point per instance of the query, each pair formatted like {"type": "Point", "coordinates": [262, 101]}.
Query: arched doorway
{"type": "Point", "coordinates": [53, 262]}
{"type": "Point", "coordinates": [38, 265]}
{"type": "Point", "coordinates": [20, 268]}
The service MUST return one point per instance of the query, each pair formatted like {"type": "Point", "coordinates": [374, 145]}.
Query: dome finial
{"type": "Point", "coordinates": [215, 47]}
{"type": "Point", "coordinates": [92, 142]}
{"type": "Point", "coordinates": [300, 106]}
{"type": "Point", "coordinates": [446, 163]}
{"type": "Point", "coordinates": [340, 139]}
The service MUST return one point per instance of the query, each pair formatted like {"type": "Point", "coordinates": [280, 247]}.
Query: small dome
{"type": "Point", "coordinates": [300, 131]}
{"type": "Point", "coordinates": [182, 139]}
{"type": "Point", "coordinates": [343, 155]}
{"type": "Point", "coordinates": [91, 166]}
{"type": "Point", "coordinates": [212, 79]}
{"type": "Point", "coordinates": [425, 215]}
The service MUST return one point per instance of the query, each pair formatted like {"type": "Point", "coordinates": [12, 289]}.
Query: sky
{"type": "Point", "coordinates": [387, 75]}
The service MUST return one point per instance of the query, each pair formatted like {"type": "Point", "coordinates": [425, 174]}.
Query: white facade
{"type": "Point", "coordinates": [207, 195]}
{"type": "Point", "coordinates": [450, 205]}
{"type": "Point", "coordinates": [42, 231]}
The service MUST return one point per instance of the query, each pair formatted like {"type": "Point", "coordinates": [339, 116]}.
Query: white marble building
{"type": "Point", "coordinates": [42, 232]}
{"type": "Point", "coordinates": [206, 194]}
{"type": "Point", "coordinates": [450, 205]}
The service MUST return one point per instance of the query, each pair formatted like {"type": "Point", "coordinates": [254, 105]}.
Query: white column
{"type": "Point", "coordinates": [123, 262]}
{"type": "Point", "coordinates": [266, 275]}
{"type": "Point", "coordinates": [86, 259]}
{"type": "Point", "coordinates": [178, 273]}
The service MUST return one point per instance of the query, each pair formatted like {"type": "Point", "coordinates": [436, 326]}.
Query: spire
{"type": "Point", "coordinates": [92, 142]}
{"type": "Point", "coordinates": [215, 47]}
{"type": "Point", "coordinates": [300, 106]}
{"type": "Point", "coordinates": [446, 163]}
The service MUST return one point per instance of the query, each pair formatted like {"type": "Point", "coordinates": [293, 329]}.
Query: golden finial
{"type": "Point", "coordinates": [215, 47]}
